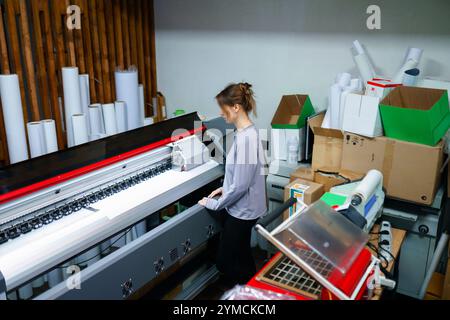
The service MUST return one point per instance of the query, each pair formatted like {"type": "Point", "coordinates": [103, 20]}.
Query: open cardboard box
{"type": "Point", "coordinates": [327, 149]}
{"type": "Point", "coordinates": [411, 171]}
{"type": "Point", "coordinates": [290, 121]}
{"type": "Point", "coordinates": [419, 115]}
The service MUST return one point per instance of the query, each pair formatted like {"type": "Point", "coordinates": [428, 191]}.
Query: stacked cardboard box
{"type": "Point", "coordinates": [288, 123]}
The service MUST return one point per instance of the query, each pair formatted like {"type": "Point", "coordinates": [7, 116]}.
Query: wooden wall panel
{"type": "Point", "coordinates": [35, 43]}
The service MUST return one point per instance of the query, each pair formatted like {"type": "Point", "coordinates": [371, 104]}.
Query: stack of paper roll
{"type": "Point", "coordinates": [80, 131]}
{"type": "Point", "coordinates": [13, 117]}
{"type": "Point", "coordinates": [127, 90]}
{"type": "Point", "coordinates": [121, 116]}
{"type": "Point", "coordinates": [42, 137]}
{"type": "Point", "coordinates": [109, 119]}
{"type": "Point", "coordinates": [72, 102]}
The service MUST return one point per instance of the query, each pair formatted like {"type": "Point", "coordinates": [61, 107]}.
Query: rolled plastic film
{"type": "Point", "coordinates": [36, 139]}
{"type": "Point", "coordinates": [51, 141]}
{"type": "Point", "coordinates": [127, 90]}
{"type": "Point", "coordinates": [109, 119]}
{"type": "Point", "coordinates": [121, 116]}
{"type": "Point", "coordinates": [79, 125]}
{"type": "Point", "coordinates": [13, 118]}
{"type": "Point", "coordinates": [72, 99]}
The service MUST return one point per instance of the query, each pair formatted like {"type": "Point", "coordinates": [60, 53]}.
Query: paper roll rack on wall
{"type": "Point", "coordinates": [35, 44]}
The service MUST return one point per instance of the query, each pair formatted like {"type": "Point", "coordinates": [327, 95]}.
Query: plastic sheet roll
{"type": "Point", "coordinates": [127, 90]}
{"type": "Point", "coordinates": [141, 228]}
{"type": "Point", "coordinates": [85, 96]}
{"type": "Point", "coordinates": [109, 119]}
{"type": "Point", "coordinates": [13, 117]}
{"type": "Point", "coordinates": [141, 104]}
{"type": "Point", "coordinates": [39, 282]}
{"type": "Point", "coordinates": [79, 125]}
{"type": "Point", "coordinates": [96, 119]}
{"type": "Point", "coordinates": [72, 100]}
{"type": "Point", "coordinates": [410, 64]}
{"type": "Point", "coordinates": [36, 139]}
{"type": "Point", "coordinates": [414, 54]}
{"type": "Point", "coordinates": [51, 142]}
{"type": "Point", "coordinates": [54, 277]}
{"type": "Point", "coordinates": [410, 77]}
{"type": "Point", "coordinates": [370, 182]}
{"type": "Point", "coordinates": [26, 292]}
{"type": "Point", "coordinates": [365, 68]}
{"type": "Point", "coordinates": [335, 96]}
{"type": "Point", "coordinates": [88, 258]}
{"type": "Point", "coordinates": [121, 116]}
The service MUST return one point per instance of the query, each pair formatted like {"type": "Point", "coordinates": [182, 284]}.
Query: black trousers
{"type": "Point", "coordinates": [234, 256]}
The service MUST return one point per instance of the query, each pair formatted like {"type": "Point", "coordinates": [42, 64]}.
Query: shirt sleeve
{"type": "Point", "coordinates": [245, 168]}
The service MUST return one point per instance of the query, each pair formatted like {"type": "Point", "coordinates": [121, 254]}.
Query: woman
{"type": "Point", "coordinates": [243, 195]}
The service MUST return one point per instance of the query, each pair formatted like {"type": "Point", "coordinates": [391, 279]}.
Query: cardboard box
{"type": "Point", "coordinates": [362, 115]}
{"type": "Point", "coordinates": [327, 149]}
{"type": "Point", "coordinates": [162, 109]}
{"type": "Point", "coordinates": [292, 112]}
{"type": "Point", "coordinates": [290, 121]}
{"type": "Point", "coordinates": [307, 191]}
{"type": "Point", "coordinates": [417, 115]}
{"type": "Point", "coordinates": [380, 88]}
{"type": "Point", "coordinates": [411, 171]}
{"type": "Point", "coordinates": [330, 178]}
{"type": "Point", "coordinates": [303, 173]}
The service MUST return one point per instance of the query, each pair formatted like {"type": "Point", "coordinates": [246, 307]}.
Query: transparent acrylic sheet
{"type": "Point", "coordinates": [322, 238]}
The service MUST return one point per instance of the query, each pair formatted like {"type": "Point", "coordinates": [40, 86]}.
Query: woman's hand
{"type": "Point", "coordinates": [216, 193]}
{"type": "Point", "coordinates": [203, 202]}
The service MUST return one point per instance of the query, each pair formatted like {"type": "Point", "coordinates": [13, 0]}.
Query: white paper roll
{"type": "Point", "coordinates": [88, 258]}
{"type": "Point", "coordinates": [344, 79]}
{"type": "Point", "coordinates": [410, 64]}
{"type": "Point", "coordinates": [127, 90]}
{"type": "Point", "coordinates": [72, 100]}
{"type": "Point", "coordinates": [335, 96]}
{"type": "Point", "coordinates": [358, 47]}
{"type": "Point", "coordinates": [365, 67]}
{"type": "Point", "coordinates": [54, 277]}
{"type": "Point", "coordinates": [109, 119]}
{"type": "Point", "coordinates": [142, 104]}
{"type": "Point", "coordinates": [141, 229]}
{"type": "Point", "coordinates": [26, 292]}
{"type": "Point", "coordinates": [148, 121]}
{"type": "Point", "coordinates": [96, 119]}
{"type": "Point", "coordinates": [13, 117]}
{"type": "Point", "coordinates": [39, 282]}
{"type": "Point", "coordinates": [85, 96]}
{"type": "Point", "coordinates": [409, 80]}
{"type": "Point", "coordinates": [121, 116]}
{"type": "Point", "coordinates": [370, 182]}
{"type": "Point", "coordinates": [79, 125]}
{"type": "Point", "coordinates": [99, 136]}
{"type": "Point", "coordinates": [36, 139]}
{"type": "Point", "coordinates": [413, 54]}
{"type": "Point", "coordinates": [51, 142]}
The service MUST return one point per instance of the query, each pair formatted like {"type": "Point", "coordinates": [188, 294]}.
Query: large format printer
{"type": "Point", "coordinates": [62, 214]}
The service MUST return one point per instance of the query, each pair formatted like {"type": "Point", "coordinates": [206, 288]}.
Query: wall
{"type": "Point", "coordinates": [286, 46]}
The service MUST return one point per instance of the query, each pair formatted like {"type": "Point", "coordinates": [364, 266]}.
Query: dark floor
{"type": "Point", "coordinates": [217, 289]}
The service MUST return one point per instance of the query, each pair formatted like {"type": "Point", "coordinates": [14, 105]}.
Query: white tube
{"type": "Point", "coordinates": [344, 80]}
{"type": "Point", "coordinates": [358, 47]}
{"type": "Point", "coordinates": [141, 229]}
{"type": "Point", "coordinates": [72, 100]}
{"type": "Point", "coordinates": [51, 142]}
{"type": "Point", "coordinates": [109, 119]}
{"type": "Point", "coordinates": [365, 67]}
{"type": "Point", "coordinates": [79, 126]}
{"type": "Point", "coordinates": [88, 258]}
{"type": "Point", "coordinates": [149, 121]}
{"type": "Point", "coordinates": [127, 90]}
{"type": "Point", "coordinates": [96, 120]}
{"type": "Point", "coordinates": [121, 116]}
{"type": "Point", "coordinates": [335, 95]}
{"type": "Point", "coordinates": [26, 292]}
{"type": "Point", "coordinates": [410, 64]}
{"type": "Point", "coordinates": [36, 139]}
{"type": "Point", "coordinates": [13, 117]}
{"type": "Point", "coordinates": [39, 282]}
{"type": "Point", "coordinates": [55, 277]}
{"type": "Point", "coordinates": [413, 54]}
{"type": "Point", "coordinates": [141, 104]}
{"type": "Point", "coordinates": [85, 96]}
{"type": "Point", "coordinates": [98, 136]}
{"type": "Point", "coordinates": [370, 182]}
